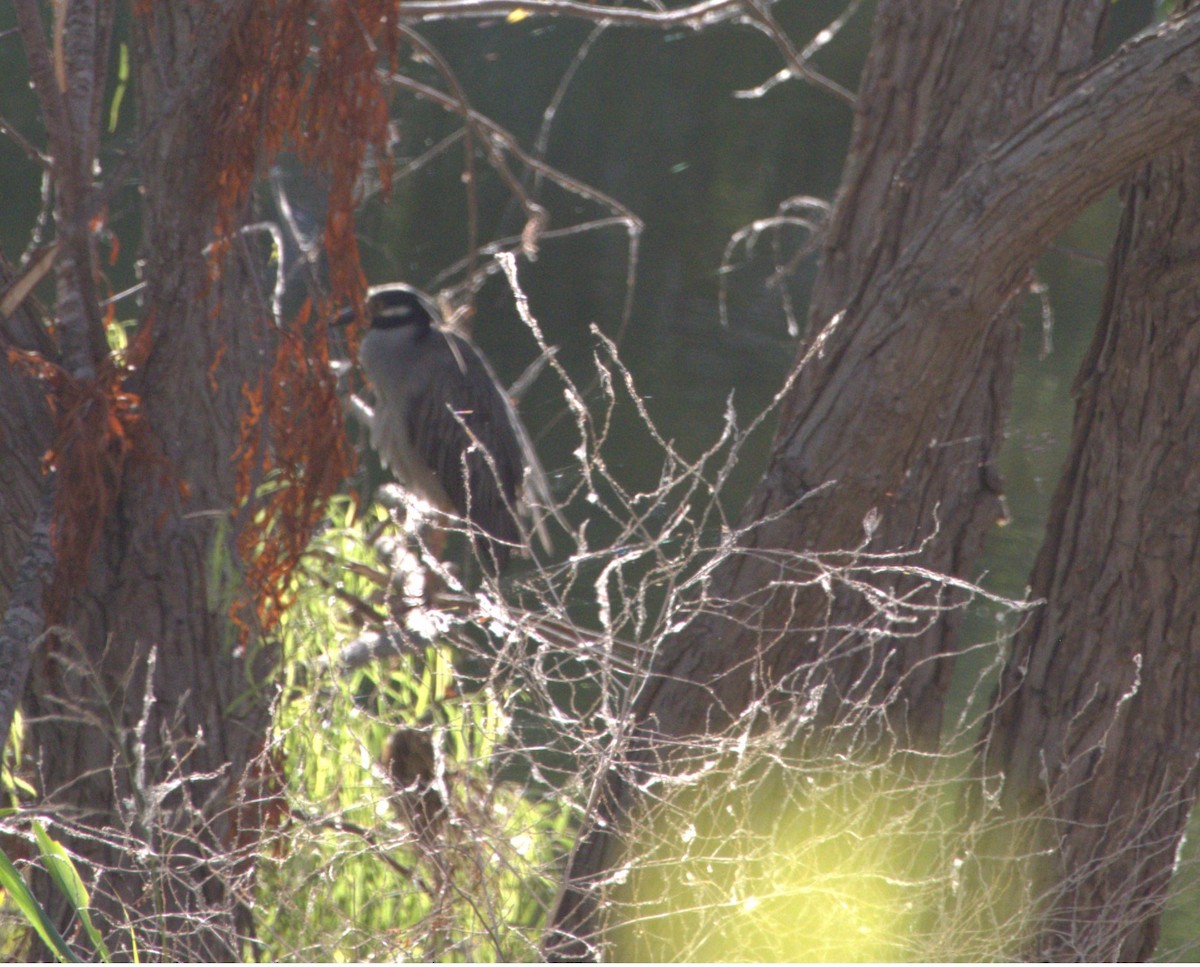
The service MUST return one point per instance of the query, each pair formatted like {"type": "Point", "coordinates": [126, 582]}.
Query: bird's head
{"type": "Point", "coordinates": [394, 305]}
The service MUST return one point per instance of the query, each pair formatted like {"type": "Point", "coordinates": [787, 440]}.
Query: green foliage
{"type": "Point", "coordinates": [66, 877]}
{"type": "Point", "coordinates": [18, 893]}
{"type": "Point", "coordinates": [343, 875]}
{"type": "Point", "coordinates": [114, 109]}
{"type": "Point", "coordinates": [63, 873]}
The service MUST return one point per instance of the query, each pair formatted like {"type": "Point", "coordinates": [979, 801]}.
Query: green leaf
{"type": "Point", "coordinates": [14, 885]}
{"type": "Point", "coordinates": [58, 864]}
{"type": "Point", "coordinates": [114, 111]}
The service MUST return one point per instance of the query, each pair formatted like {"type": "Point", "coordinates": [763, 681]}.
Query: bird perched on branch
{"type": "Point", "coordinates": [444, 426]}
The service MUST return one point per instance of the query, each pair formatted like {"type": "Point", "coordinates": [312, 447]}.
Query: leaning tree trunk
{"type": "Point", "coordinates": [907, 365]}
{"type": "Point", "coordinates": [936, 91]}
{"type": "Point", "coordinates": [1097, 724]}
{"type": "Point", "coordinates": [944, 82]}
{"type": "Point", "coordinates": [146, 705]}
{"type": "Point", "coordinates": [917, 422]}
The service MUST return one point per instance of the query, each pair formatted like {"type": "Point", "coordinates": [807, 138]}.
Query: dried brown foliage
{"type": "Point", "coordinates": [100, 435]}
{"type": "Point", "coordinates": [331, 110]}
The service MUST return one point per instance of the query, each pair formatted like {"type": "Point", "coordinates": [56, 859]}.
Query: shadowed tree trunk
{"type": "Point", "coordinates": [1097, 719]}
{"type": "Point", "coordinates": [945, 83]}
{"type": "Point", "coordinates": [904, 420]}
{"type": "Point", "coordinates": [25, 435]}
{"type": "Point", "coordinates": [146, 705]}
{"type": "Point", "coordinates": [149, 698]}
{"type": "Point", "coordinates": [904, 388]}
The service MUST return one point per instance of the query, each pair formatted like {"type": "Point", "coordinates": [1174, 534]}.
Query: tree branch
{"type": "Point", "coordinates": [977, 248]}
{"type": "Point", "coordinates": [697, 17]}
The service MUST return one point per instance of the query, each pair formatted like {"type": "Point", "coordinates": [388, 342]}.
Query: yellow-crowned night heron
{"type": "Point", "coordinates": [443, 425]}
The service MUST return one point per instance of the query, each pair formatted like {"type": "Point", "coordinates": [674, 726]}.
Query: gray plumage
{"type": "Point", "coordinates": [443, 425]}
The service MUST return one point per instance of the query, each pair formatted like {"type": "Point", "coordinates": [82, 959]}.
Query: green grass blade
{"type": "Point", "coordinates": [14, 884]}
{"type": "Point", "coordinates": [66, 877]}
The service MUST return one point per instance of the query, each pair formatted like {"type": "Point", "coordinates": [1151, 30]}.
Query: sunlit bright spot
{"type": "Point", "coordinates": [857, 864]}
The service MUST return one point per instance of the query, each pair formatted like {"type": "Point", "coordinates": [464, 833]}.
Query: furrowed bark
{"type": "Point", "coordinates": [1096, 724]}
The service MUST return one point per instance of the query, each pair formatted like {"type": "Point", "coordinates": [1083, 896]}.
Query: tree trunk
{"type": "Point", "coordinates": [25, 435]}
{"type": "Point", "coordinates": [900, 396]}
{"type": "Point", "coordinates": [924, 415]}
{"type": "Point", "coordinates": [947, 81]}
{"type": "Point", "coordinates": [1097, 721]}
{"type": "Point", "coordinates": [147, 708]}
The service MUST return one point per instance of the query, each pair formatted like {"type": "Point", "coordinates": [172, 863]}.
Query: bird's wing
{"type": "Point", "coordinates": [459, 425]}
{"type": "Point", "coordinates": [535, 497]}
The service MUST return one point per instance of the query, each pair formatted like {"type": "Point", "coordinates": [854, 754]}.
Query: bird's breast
{"type": "Point", "coordinates": [387, 359]}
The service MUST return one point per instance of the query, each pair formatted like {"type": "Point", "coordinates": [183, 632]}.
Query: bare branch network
{"type": "Point", "coordinates": [700, 16]}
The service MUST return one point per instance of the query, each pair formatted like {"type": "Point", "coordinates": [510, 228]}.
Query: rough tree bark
{"type": "Point", "coordinates": [25, 429]}
{"type": "Point", "coordinates": [146, 707]}
{"type": "Point", "coordinates": [946, 82]}
{"type": "Point", "coordinates": [904, 371]}
{"type": "Point", "coordinates": [1097, 720]}
{"type": "Point", "coordinates": [905, 419]}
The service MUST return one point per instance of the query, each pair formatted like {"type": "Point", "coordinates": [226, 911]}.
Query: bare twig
{"type": "Point", "coordinates": [697, 16]}
{"type": "Point", "coordinates": [805, 56]}
{"type": "Point", "coordinates": [498, 140]}
{"type": "Point", "coordinates": [469, 134]}
{"type": "Point", "coordinates": [32, 153]}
